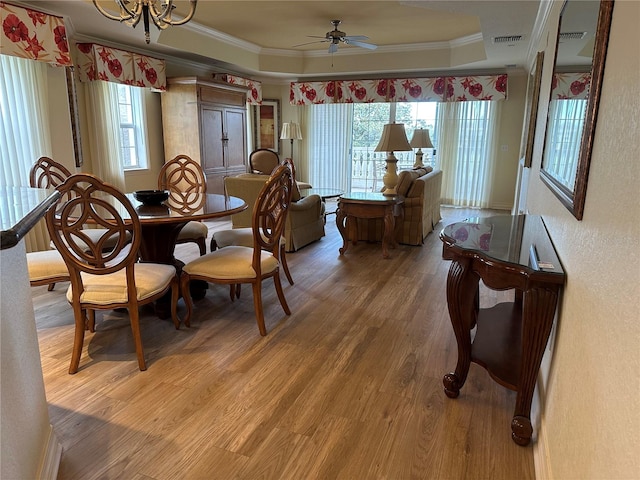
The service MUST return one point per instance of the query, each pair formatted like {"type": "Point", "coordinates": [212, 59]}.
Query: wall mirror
{"type": "Point", "coordinates": [581, 48]}
{"type": "Point", "coordinates": [531, 111]}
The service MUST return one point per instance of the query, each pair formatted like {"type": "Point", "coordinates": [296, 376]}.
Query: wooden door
{"type": "Point", "coordinates": [212, 119]}
{"type": "Point", "coordinates": [236, 132]}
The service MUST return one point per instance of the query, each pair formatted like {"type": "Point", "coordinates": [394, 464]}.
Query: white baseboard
{"type": "Point", "coordinates": [541, 454]}
{"type": "Point", "coordinates": [51, 460]}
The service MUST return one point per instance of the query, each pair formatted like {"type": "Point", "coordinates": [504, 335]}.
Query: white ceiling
{"type": "Point", "coordinates": [460, 31]}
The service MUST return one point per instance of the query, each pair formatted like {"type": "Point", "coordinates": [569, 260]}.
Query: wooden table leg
{"type": "Point", "coordinates": [538, 310]}
{"type": "Point", "coordinates": [340, 223]}
{"type": "Point", "coordinates": [462, 288]}
{"type": "Point", "coordinates": [389, 231]}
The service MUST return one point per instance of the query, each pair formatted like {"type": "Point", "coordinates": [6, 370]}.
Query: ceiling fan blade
{"type": "Point", "coordinates": [368, 46]}
{"type": "Point", "coordinates": [309, 43]}
{"type": "Point", "coordinates": [357, 38]}
{"type": "Point", "coordinates": [333, 48]}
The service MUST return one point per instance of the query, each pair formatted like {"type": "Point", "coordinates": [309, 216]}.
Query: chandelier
{"type": "Point", "coordinates": [131, 11]}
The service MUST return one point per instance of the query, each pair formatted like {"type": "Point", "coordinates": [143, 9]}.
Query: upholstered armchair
{"type": "Point", "coordinates": [305, 222]}
{"type": "Point", "coordinates": [263, 161]}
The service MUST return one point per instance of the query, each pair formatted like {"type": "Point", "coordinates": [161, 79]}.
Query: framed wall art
{"type": "Point", "coordinates": [267, 125]}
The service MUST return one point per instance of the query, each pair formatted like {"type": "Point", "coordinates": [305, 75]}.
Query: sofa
{"type": "Point", "coordinates": [306, 218]}
{"type": "Point", "coordinates": [421, 188]}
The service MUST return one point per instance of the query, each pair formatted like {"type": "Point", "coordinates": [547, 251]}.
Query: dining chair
{"type": "Point", "coordinates": [184, 178]}
{"type": "Point", "coordinates": [244, 236]}
{"type": "Point", "coordinates": [47, 173]}
{"type": "Point", "coordinates": [105, 279]}
{"type": "Point", "coordinates": [235, 265]}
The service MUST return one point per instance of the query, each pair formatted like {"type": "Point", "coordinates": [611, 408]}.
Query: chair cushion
{"type": "Point", "coordinates": [236, 236]}
{"type": "Point", "coordinates": [193, 230]}
{"type": "Point", "coordinates": [150, 278]}
{"type": "Point", "coordinates": [233, 262]}
{"type": "Point", "coordinates": [46, 264]}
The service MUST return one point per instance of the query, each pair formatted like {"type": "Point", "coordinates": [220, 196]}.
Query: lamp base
{"type": "Point", "coordinates": [418, 163]}
{"type": "Point", "coordinates": [390, 178]}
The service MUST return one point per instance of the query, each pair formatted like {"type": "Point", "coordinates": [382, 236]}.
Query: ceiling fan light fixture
{"type": "Point", "coordinates": [158, 10]}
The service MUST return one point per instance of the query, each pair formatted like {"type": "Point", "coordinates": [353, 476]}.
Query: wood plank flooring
{"type": "Point", "coordinates": [349, 386]}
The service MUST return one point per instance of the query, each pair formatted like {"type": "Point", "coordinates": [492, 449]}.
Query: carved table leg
{"type": "Point", "coordinates": [537, 318]}
{"type": "Point", "coordinates": [462, 290]}
{"type": "Point", "coordinates": [158, 245]}
{"type": "Point", "coordinates": [340, 223]}
{"type": "Point", "coordinates": [389, 231]}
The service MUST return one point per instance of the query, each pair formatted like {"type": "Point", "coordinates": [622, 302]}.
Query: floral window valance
{"type": "Point", "coordinates": [435, 89]}
{"type": "Point", "coordinates": [570, 86]}
{"type": "Point", "coordinates": [255, 88]}
{"type": "Point", "coordinates": [31, 34]}
{"type": "Point", "coordinates": [97, 62]}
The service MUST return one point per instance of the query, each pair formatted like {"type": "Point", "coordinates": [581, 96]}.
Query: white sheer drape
{"type": "Point", "coordinates": [329, 145]}
{"type": "Point", "coordinates": [467, 151]}
{"type": "Point", "coordinates": [104, 140]}
{"type": "Point", "coordinates": [24, 126]}
{"type": "Point", "coordinates": [24, 131]}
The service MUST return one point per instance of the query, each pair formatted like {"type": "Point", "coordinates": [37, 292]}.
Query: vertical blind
{"type": "Point", "coordinates": [330, 144]}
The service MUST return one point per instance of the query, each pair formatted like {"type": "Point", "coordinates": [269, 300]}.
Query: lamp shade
{"type": "Point", "coordinates": [421, 139]}
{"type": "Point", "coordinates": [394, 139]}
{"type": "Point", "coordinates": [290, 131]}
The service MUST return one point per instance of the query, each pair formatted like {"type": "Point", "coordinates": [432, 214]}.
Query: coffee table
{"type": "Point", "coordinates": [354, 205]}
{"type": "Point", "coordinates": [324, 193]}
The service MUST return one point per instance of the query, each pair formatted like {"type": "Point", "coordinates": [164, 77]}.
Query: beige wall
{"type": "Point", "coordinates": [591, 419]}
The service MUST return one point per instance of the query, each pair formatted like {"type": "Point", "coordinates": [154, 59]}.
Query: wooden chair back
{"type": "Point", "coordinates": [182, 176]}
{"type": "Point", "coordinates": [86, 199]}
{"type": "Point", "coordinates": [270, 213]}
{"type": "Point", "coordinates": [46, 173]}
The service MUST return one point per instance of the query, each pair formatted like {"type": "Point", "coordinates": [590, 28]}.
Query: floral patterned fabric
{"type": "Point", "coordinates": [570, 85]}
{"type": "Point", "coordinates": [97, 62]}
{"type": "Point", "coordinates": [255, 88]}
{"type": "Point", "coordinates": [34, 35]}
{"type": "Point", "coordinates": [434, 89]}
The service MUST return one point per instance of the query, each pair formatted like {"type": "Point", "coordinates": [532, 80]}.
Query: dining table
{"type": "Point", "coordinates": [161, 224]}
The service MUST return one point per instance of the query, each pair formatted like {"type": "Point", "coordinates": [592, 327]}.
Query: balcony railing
{"type": "Point", "coordinates": [368, 167]}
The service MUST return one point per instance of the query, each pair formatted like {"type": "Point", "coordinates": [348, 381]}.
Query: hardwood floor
{"type": "Point", "coordinates": [349, 386]}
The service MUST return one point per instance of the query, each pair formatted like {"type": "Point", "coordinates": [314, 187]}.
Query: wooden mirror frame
{"type": "Point", "coordinates": [575, 200]}
{"type": "Point", "coordinates": [531, 111]}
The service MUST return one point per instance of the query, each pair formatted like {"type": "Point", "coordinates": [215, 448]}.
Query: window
{"type": "Point", "coordinates": [345, 136]}
{"type": "Point", "coordinates": [133, 153]}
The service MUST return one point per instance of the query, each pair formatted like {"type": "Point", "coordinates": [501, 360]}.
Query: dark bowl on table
{"type": "Point", "coordinates": [151, 197]}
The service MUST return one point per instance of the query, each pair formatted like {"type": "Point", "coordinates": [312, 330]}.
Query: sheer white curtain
{"type": "Point", "coordinates": [104, 140]}
{"type": "Point", "coordinates": [467, 148]}
{"type": "Point", "coordinates": [329, 146]}
{"type": "Point", "coordinates": [24, 125]}
{"type": "Point", "coordinates": [24, 132]}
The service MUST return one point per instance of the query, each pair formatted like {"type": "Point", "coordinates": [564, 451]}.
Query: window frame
{"type": "Point", "coordinates": [138, 124]}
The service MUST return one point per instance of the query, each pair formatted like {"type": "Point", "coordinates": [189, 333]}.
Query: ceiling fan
{"type": "Point", "coordinates": [335, 36]}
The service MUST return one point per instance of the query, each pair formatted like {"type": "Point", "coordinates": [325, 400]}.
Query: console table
{"type": "Point", "coordinates": [506, 252]}
{"type": "Point", "coordinates": [368, 205]}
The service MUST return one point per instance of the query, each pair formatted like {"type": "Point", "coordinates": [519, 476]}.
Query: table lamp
{"type": "Point", "coordinates": [419, 140]}
{"type": "Point", "coordinates": [393, 139]}
{"type": "Point", "coordinates": [291, 131]}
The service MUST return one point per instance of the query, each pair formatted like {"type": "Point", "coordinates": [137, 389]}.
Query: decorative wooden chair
{"type": "Point", "coordinates": [244, 236]}
{"type": "Point", "coordinates": [43, 266]}
{"type": "Point", "coordinates": [184, 179]}
{"type": "Point", "coordinates": [234, 265]}
{"type": "Point", "coordinates": [105, 279]}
